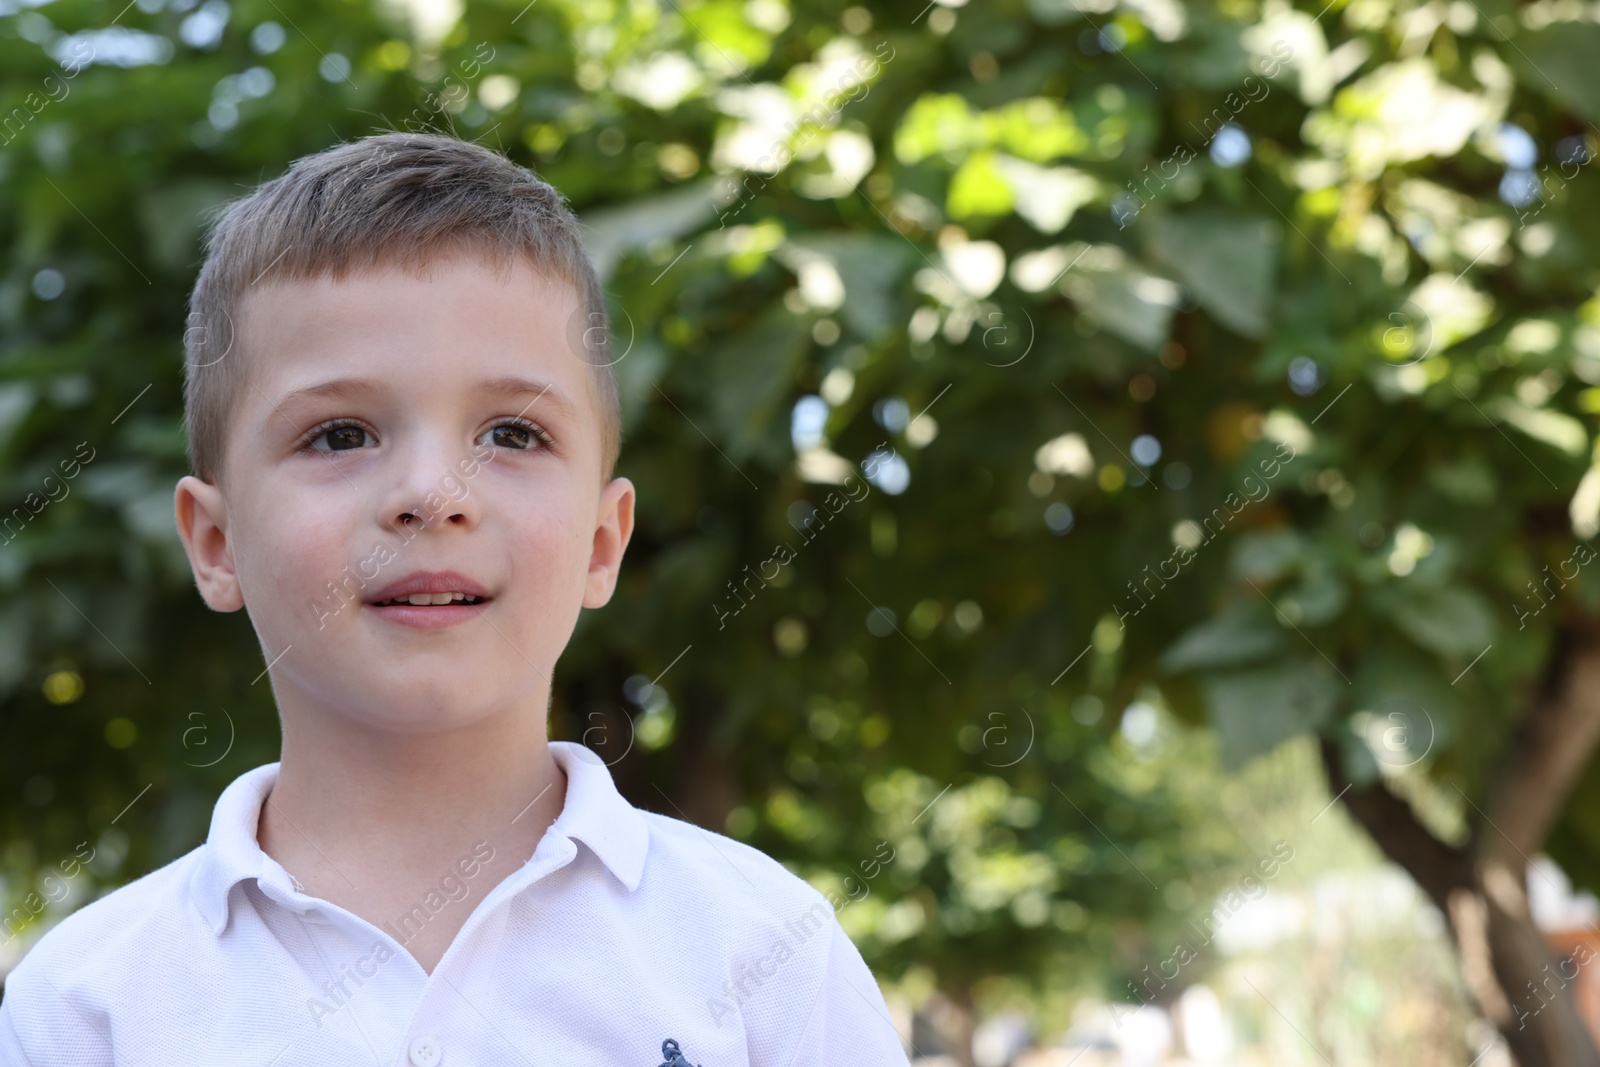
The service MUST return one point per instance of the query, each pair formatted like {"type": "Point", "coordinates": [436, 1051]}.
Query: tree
{"type": "Point", "coordinates": [1309, 226]}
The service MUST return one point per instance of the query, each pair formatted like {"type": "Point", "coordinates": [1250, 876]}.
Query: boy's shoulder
{"type": "Point", "coordinates": [732, 873]}
{"type": "Point", "coordinates": [98, 957]}
{"type": "Point", "coordinates": [142, 920]}
{"type": "Point", "coordinates": [674, 865]}
{"type": "Point", "coordinates": [769, 948]}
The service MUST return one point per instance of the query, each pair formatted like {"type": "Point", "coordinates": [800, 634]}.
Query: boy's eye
{"type": "Point", "coordinates": [518, 434]}
{"type": "Point", "coordinates": [341, 437]}
{"type": "Point", "coordinates": [511, 436]}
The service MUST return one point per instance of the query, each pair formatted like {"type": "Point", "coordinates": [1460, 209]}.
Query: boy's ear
{"type": "Point", "coordinates": [203, 528]}
{"type": "Point", "coordinates": [610, 541]}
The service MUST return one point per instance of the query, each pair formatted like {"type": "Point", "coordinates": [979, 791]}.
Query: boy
{"type": "Point", "coordinates": [403, 469]}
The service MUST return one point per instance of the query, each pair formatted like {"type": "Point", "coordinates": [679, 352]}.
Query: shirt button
{"type": "Point", "coordinates": [425, 1052]}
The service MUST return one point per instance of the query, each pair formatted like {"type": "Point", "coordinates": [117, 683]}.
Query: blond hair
{"type": "Point", "coordinates": [395, 199]}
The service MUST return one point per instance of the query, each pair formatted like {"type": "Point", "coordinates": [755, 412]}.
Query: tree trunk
{"type": "Point", "coordinates": [1481, 887]}
{"type": "Point", "coordinates": [1515, 977]}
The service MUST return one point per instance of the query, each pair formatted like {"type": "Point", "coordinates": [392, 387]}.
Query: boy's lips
{"type": "Point", "coordinates": [434, 583]}
{"type": "Point", "coordinates": [419, 600]}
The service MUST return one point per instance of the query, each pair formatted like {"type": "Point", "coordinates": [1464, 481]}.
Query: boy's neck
{"type": "Point", "coordinates": [356, 812]}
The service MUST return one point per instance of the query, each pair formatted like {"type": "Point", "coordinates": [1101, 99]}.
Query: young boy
{"type": "Point", "coordinates": [403, 426]}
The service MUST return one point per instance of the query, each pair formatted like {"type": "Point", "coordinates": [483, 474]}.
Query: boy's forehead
{"type": "Point", "coordinates": [450, 290]}
{"type": "Point", "coordinates": [459, 322]}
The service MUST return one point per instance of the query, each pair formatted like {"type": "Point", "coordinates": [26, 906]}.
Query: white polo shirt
{"type": "Point", "coordinates": [653, 929]}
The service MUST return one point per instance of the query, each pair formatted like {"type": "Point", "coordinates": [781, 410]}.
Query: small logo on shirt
{"type": "Point", "coordinates": [673, 1055]}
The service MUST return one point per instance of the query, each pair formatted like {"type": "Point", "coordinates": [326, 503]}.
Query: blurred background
{"type": "Point", "coordinates": [1117, 479]}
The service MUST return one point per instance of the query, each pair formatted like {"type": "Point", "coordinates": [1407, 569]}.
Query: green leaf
{"type": "Point", "coordinates": [942, 124]}
{"type": "Point", "coordinates": [749, 375]}
{"type": "Point", "coordinates": [1316, 600]}
{"type": "Point", "coordinates": [1227, 261]}
{"type": "Point", "coordinates": [1469, 480]}
{"type": "Point", "coordinates": [610, 232]}
{"type": "Point", "coordinates": [979, 188]}
{"type": "Point", "coordinates": [1239, 635]}
{"type": "Point", "coordinates": [1561, 432]}
{"type": "Point", "coordinates": [872, 268]}
{"type": "Point", "coordinates": [1404, 689]}
{"type": "Point", "coordinates": [1266, 557]}
{"type": "Point", "coordinates": [1054, 12]}
{"type": "Point", "coordinates": [1047, 196]}
{"type": "Point", "coordinates": [1451, 621]}
{"type": "Point", "coordinates": [1254, 711]}
{"type": "Point", "coordinates": [1126, 300]}
{"type": "Point", "coordinates": [1210, 56]}
{"type": "Point", "coordinates": [1559, 61]}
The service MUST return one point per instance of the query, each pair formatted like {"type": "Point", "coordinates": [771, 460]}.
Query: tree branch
{"type": "Point", "coordinates": [1550, 749]}
{"type": "Point", "coordinates": [1437, 866]}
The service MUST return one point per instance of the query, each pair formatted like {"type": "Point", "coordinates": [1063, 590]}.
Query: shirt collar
{"type": "Point", "coordinates": [599, 816]}
{"type": "Point", "coordinates": [593, 812]}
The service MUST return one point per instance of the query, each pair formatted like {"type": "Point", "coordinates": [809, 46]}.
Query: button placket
{"type": "Point", "coordinates": [564, 851]}
{"type": "Point", "coordinates": [429, 1051]}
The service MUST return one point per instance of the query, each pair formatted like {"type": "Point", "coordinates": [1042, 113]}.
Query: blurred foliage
{"type": "Point", "coordinates": [1080, 288]}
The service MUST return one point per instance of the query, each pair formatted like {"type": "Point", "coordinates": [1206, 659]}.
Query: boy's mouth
{"type": "Point", "coordinates": [430, 600]}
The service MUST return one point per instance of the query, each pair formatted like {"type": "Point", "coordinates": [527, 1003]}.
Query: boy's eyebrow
{"type": "Point", "coordinates": [508, 388]}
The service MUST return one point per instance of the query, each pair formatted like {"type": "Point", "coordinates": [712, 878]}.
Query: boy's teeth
{"type": "Point", "coordinates": [425, 599]}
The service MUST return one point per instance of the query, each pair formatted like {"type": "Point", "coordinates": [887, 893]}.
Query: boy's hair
{"type": "Point", "coordinates": [396, 199]}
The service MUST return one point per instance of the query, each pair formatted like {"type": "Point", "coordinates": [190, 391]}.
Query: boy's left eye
{"type": "Point", "coordinates": [520, 434]}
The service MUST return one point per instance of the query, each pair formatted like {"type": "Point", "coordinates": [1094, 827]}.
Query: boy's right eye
{"type": "Point", "coordinates": [341, 437]}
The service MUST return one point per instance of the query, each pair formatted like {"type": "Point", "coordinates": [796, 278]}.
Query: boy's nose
{"type": "Point", "coordinates": [436, 509]}
{"type": "Point", "coordinates": [431, 493]}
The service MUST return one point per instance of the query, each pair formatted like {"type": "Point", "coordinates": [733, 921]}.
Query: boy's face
{"type": "Point", "coordinates": [417, 465]}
